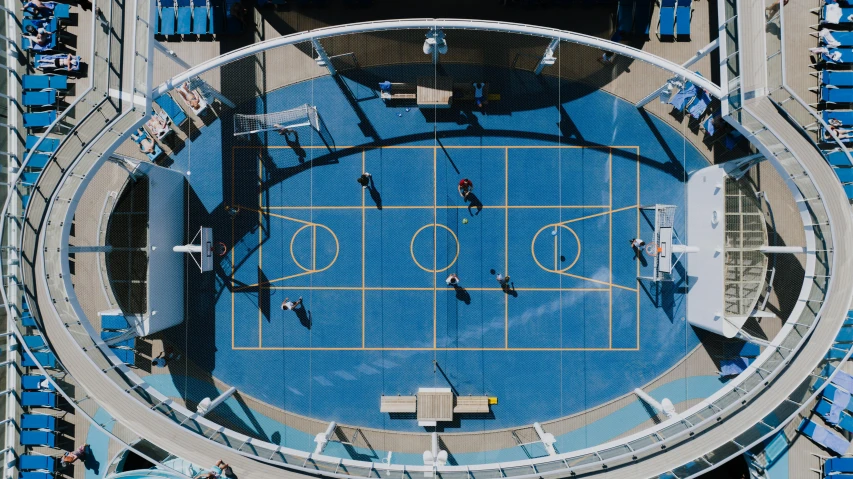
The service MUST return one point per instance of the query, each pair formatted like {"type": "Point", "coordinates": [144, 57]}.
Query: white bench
{"type": "Point", "coordinates": [471, 405]}
{"type": "Point", "coordinates": [398, 404]}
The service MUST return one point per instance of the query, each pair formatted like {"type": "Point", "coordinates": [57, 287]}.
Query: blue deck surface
{"type": "Point", "coordinates": [577, 330]}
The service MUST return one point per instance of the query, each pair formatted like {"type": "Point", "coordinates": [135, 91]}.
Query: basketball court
{"type": "Point", "coordinates": [371, 264]}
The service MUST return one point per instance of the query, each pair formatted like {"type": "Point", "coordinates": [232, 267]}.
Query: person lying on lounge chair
{"type": "Point", "coordinates": [68, 61]}
{"type": "Point", "coordinates": [192, 98]}
{"type": "Point", "coordinates": [157, 125]}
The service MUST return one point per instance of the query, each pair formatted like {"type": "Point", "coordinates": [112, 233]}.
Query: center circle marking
{"type": "Point", "coordinates": [314, 227]}
{"type": "Point", "coordinates": [412, 248]}
{"type": "Point", "coordinates": [552, 227]}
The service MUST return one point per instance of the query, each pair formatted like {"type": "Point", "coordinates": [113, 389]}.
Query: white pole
{"type": "Point", "coordinates": [783, 249]}
{"type": "Point", "coordinates": [206, 404]}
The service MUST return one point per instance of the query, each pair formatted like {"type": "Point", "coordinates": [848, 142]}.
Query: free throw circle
{"type": "Point", "coordinates": [557, 254]}
{"type": "Point", "coordinates": [436, 227]}
{"type": "Point", "coordinates": [321, 240]}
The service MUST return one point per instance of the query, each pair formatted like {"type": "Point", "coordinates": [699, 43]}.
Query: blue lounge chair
{"type": "Point", "coordinates": [201, 14]}
{"type": "Point", "coordinates": [699, 104]}
{"type": "Point", "coordinates": [35, 382]}
{"type": "Point", "coordinates": [185, 17]}
{"type": "Point", "coordinates": [38, 438]}
{"type": "Point", "coordinates": [839, 78]}
{"type": "Point", "coordinates": [842, 419]}
{"type": "Point", "coordinates": [113, 322]}
{"type": "Point", "coordinates": [666, 26]}
{"type": "Point", "coordinates": [30, 178]}
{"type": "Point", "coordinates": [838, 158]}
{"type": "Point", "coordinates": [167, 17]}
{"type": "Point", "coordinates": [844, 116]}
{"type": "Point", "coordinates": [217, 19]}
{"type": "Point", "coordinates": [27, 320]}
{"type": "Point", "coordinates": [835, 15]}
{"type": "Point", "coordinates": [60, 11]}
{"type": "Point", "coordinates": [38, 161]}
{"type": "Point", "coordinates": [837, 95]}
{"type": "Point", "coordinates": [749, 350]}
{"type": "Point", "coordinates": [680, 100]}
{"type": "Point", "coordinates": [43, 82]}
{"type": "Point", "coordinates": [823, 437]}
{"type": "Point", "coordinates": [642, 17]}
{"type": "Point", "coordinates": [36, 475]}
{"type": "Point", "coordinates": [841, 378]}
{"type": "Point", "coordinates": [845, 175]}
{"type": "Point", "coordinates": [233, 26]}
{"type": "Point", "coordinates": [845, 39]}
{"type": "Point", "coordinates": [838, 465]}
{"type": "Point", "coordinates": [46, 359]}
{"type": "Point", "coordinates": [49, 145]}
{"type": "Point", "coordinates": [34, 342]}
{"type": "Point", "coordinates": [49, 25]}
{"type": "Point", "coordinates": [625, 15]}
{"type": "Point", "coordinates": [38, 399]}
{"type": "Point", "coordinates": [682, 19]}
{"type": "Point", "coordinates": [41, 119]}
{"type": "Point", "coordinates": [846, 333]}
{"type": "Point", "coordinates": [38, 421]}
{"type": "Point", "coordinates": [171, 109]}
{"type": "Point", "coordinates": [39, 98]}
{"type": "Point", "coordinates": [31, 462]}
{"type": "Point", "coordinates": [48, 62]}
{"type": "Point", "coordinates": [139, 138]}
{"type": "Point", "coordinates": [127, 343]}
{"type": "Point", "coordinates": [733, 367]}
{"type": "Point", "coordinates": [126, 356]}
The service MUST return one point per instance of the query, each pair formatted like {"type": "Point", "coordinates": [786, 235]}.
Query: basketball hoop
{"type": "Point", "coordinates": [221, 249]}
{"type": "Point", "coordinates": [652, 249]}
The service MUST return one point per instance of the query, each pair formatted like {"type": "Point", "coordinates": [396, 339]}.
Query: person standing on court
{"type": "Point", "coordinates": [289, 305]}
{"type": "Point", "coordinates": [364, 179]}
{"type": "Point", "coordinates": [452, 280]}
{"type": "Point", "coordinates": [637, 245]}
{"type": "Point", "coordinates": [503, 281]}
{"type": "Point", "coordinates": [479, 96]}
{"type": "Point", "coordinates": [465, 188]}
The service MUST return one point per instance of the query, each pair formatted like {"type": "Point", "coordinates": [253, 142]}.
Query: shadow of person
{"type": "Point", "coordinates": [473, 202]}
{"type": "Point", "coordinates": [462, 294]}
{"type": "Point", "coordinates": [304, 317]}
{"type": "Point", "coordinates": [509, 288]}
{"type": "Point", "coordinates": [291, 137]}
{"type": "Point", "coordinates": [638, 255]}
{"type": "Point", "coordinates": [90, 463]}
{"type": "Point", "coordinates": [374, 194]}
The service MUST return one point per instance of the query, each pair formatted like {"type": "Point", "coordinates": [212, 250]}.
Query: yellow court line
{"type": "Point", "coordinates": [258, 285]}
{"type": "Point", "coordinates": [294, 348]}
{"type": "Point", "coordinates": [391, 288]}
{"type": "Point", "coordinates": [363, 228]}
{"type": "Point", "coordinates": [638, 235]}
{"type": "Point", "coordinates": [435, 247]}
{"type": "Point", "coordinates": [594, 215]}
{"type": "Point", "coordinates": [596, 281]}
{"type": "Point", "coordinates": [260, 246]}
{"type": "Point", "coordinates": [610, 227]}
{"type": "Point", "coordinates": [440, 207]}
{"type": "Point", "coordinates": [506, 244]}
{"type": "Point", "coordinates": [446, 147]}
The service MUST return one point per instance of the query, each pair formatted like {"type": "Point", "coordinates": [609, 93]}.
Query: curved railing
{"type": "Point", "coordinates": [647, 450]}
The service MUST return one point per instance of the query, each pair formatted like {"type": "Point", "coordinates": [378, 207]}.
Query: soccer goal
{"type": "Point", "coordinates": [665, 243]}
{"type": "Point", "coordinates": [305, 115]}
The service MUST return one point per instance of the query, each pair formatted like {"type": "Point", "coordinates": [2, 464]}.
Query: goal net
{"type": "Point", "coordinates": [305, 115]}
{"type": "Point", "coordinates": [660, 248]}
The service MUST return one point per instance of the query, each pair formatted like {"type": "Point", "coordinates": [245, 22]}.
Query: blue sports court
{"type": "Point", "coordinates": [559, 173]}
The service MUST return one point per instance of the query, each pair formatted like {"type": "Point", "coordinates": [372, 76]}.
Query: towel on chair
{"type": "Point", "coordinates": [840, 400]}
{"type": "Point", "coordinates": [832, 14]}
{"type": "Point", "coordinates": [831, 441]}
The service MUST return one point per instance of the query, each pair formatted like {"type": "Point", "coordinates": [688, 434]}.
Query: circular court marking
{"type": "Point", "coordinates": [553, 227]}
{"type": "Point", "coordinates": [313, 268]}
{"type": "Point", "coordinates": [412, 248]}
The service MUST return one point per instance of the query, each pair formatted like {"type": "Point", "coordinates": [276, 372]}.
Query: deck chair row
{"type": "Point", "coordinates": [675, 16]}
{"type": "Point", "coordinates": [188, 17]}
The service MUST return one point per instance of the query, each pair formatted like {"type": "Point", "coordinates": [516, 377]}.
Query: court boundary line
{"type": "Point", "coordinates": [609, 289]}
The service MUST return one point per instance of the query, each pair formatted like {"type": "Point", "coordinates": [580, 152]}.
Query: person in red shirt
{"type": "Point", "coordinates": [465, 187]}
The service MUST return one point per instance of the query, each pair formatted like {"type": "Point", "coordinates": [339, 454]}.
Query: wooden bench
{"type": "Point", "coordinates": [400, 91]}
{"type": "Point", "coordinates": [471, 405]}
{"type": "Point", "coordinates": [398, 404]}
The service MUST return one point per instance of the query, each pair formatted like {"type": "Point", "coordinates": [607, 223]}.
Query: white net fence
{"type": "Point", "coordinates": [305, 115]}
